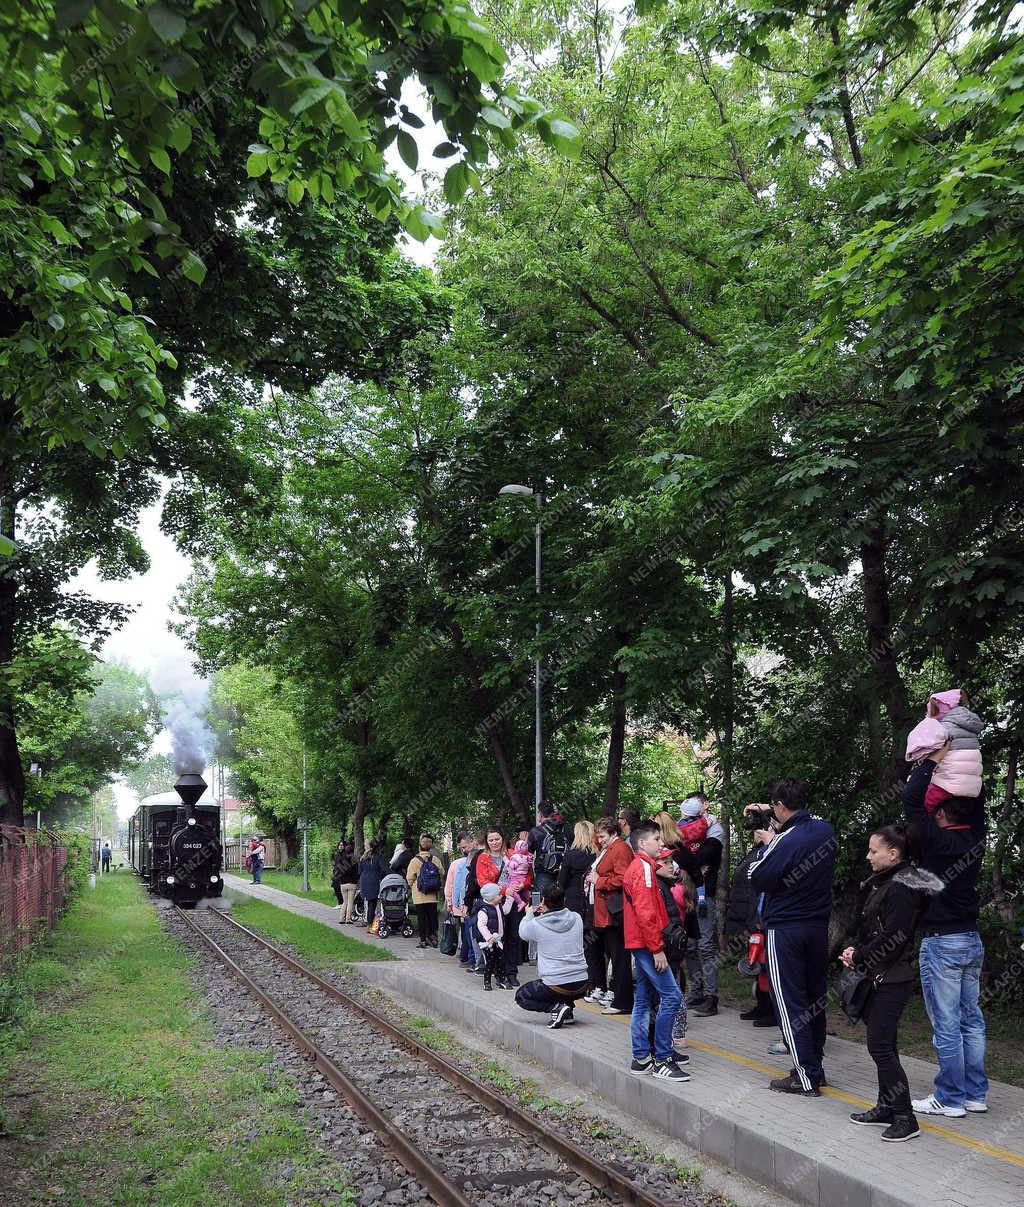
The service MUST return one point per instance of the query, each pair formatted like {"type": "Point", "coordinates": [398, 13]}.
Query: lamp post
{"type": "Point", "coordinates": [538, 666]}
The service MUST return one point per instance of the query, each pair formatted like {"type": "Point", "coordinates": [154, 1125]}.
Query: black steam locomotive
{"type": "Point", "coordinates": [176, 849]}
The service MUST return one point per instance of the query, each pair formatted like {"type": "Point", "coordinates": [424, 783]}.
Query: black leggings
{"type": "Point", "coordinates": [885, 1006]}
{"type": "Point", "coordinates": [512, 950]}
{"type": "Point", "coordinates": [613, 948]}
{"type": "Point", "coordinates": [426, 916]}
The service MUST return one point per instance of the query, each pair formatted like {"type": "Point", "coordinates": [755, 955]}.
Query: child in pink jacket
{"type": "Point", "coordinates": [949, 721]}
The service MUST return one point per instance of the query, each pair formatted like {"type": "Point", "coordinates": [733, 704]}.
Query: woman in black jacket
{"type": "Point", "coordinates": [372, 867]}
{"type": "Point", "coordinates": [344, 875]}
{"type": "Point", "coordinates": [894, 896]}
{"type": "Point", "coordinates": [579, 859]}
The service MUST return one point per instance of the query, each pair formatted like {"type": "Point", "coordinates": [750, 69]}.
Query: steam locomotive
{"type": "Point", "coordinates": [176, 848]}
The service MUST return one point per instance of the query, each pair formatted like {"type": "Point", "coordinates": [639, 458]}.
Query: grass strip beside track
{"type": "Point", "coordinates": [322, 945]}
{"type": "Point", "coordinates": [115, 1092]}
{"type": "Point", "coordinates": [291, 882]}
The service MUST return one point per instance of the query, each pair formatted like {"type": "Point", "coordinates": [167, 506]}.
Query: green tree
{"type": "Point", "coordinates": [152, 775]}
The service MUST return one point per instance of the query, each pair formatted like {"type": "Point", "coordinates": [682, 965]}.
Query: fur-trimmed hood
{"type": "Point", "coordinates": [920, 880]}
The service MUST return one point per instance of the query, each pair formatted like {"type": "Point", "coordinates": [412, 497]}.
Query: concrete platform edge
{"type": "Point", "coordinates": [802, 1177]}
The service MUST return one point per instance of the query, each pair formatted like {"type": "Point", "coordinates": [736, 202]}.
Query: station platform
{"type": "Point", "coordinates": [804, 1149]}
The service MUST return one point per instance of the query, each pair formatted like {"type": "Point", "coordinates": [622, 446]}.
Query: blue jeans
{"type": "Point", "coordinates": [257, 872]}
{"type": "Point", "coordinates": [951, 983]}
{"type": "Point", "coordinates": [469, 944]}
{"type": "Point", "coordinates": [650, 981]}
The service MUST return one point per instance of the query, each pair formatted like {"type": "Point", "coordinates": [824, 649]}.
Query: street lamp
{"type": "Point", "coordinates": [538, 733]}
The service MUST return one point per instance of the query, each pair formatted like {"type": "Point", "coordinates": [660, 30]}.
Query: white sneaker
{"type": "Point", "coordinates": [607, 996]}
{"type": "Point", "coordinates": [932, 1106]}
{"type": "Point", "coordinates": [976, 1108]}
{"type": "Point", "coordinates": [595, 997]}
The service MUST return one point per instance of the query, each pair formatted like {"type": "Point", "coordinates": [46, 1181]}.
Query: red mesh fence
{"type": "Point", "coordinates": [33, 885]}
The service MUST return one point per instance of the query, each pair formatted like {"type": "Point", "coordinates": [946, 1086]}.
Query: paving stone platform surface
{"type": "Point", "coordinates": [806, 1149]}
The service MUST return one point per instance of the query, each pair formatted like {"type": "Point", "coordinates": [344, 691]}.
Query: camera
{"type": "Point", "coordinates": [760, 818]}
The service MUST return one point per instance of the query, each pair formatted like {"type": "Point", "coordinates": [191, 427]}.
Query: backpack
{"type": "Point", "coordinates": [428, 879]}
{"type": "Point", "coordinates": [552, 848]}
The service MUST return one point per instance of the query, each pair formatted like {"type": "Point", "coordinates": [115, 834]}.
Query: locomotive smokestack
{"type": "Point", "coordinates": [190, 787]}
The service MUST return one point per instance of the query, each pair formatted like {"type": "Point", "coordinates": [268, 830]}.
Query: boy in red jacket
{"type": "Point", "coordinates": [645, 917]}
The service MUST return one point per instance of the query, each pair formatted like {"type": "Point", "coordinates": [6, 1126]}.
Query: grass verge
{"type": "Point", "coordinates": [322, 945]}
{"type": "Point", "coordinates": [113, 1090]}
{"type": "Point", "coordinates": [291, 882]}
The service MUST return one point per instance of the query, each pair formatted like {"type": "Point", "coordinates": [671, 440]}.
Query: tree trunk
{"type": "Point", "coordinates": [728, 728]}
{"type": "Point", "coordinates": [1003, 904]}
{"type": "Point", "coordinates": [359, 813]}
{"type": "Point", "coordinates": [616, 743]}
{"type": "Point", "coordinates": [885, 672]}
{"type": "Point", "coordinates": [490, 726]}
{"type": "Point", "coordinates": [12, 774]}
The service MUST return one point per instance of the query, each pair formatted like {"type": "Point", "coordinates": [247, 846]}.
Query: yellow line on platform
{"type": "Point", "coordinates": [947, 1133]}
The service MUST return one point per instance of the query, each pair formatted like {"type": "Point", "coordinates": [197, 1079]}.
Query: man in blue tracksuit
{"type": "Point", "coordinates": [794, 872]}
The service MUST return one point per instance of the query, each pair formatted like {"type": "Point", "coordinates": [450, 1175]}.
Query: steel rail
{"type": "Point", "coordinates": [577, 1158]}
{"type": "Point", "coordinates": [443, 1191]}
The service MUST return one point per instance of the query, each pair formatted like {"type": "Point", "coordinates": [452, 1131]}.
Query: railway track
{"type": "Point", "coordinates": [405, 1091]}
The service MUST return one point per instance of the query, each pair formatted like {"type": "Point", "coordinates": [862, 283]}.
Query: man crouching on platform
{"type": "Point", "coordinates": [558, 933]}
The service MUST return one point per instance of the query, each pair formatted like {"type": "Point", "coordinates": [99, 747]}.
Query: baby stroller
{"type": "Point", "coordinates": [393, 906]}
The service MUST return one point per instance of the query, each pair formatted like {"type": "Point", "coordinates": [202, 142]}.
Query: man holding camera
{"type": "Point", "coordinates": [794, 874]}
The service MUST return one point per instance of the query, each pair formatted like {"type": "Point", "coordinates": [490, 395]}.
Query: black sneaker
{"type": "Point", "coordinates": [764, 1020]}
{"type": "Point", "coordinates": [561, 1015]}
{"type": "Point", "coordinates": [878, 1116]}
{"type": "Point", "coordinates": [793, 1085]}
{"type": "Point", "coordinates": [681, 1058]}
{"type": "Point", "coordinates": [668, 1070]}
{"type": "Point", "coordinates": [694, 1000]}
{"type": "Point", "coordinates": [752, 1015]}
{"type": "Point", "coordinates": [904, 1127]}
{"type": "Point", "coordinates": [640, 1068]}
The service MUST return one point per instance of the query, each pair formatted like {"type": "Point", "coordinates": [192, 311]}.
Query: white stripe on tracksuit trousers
{"type": "Point", "coordinates": [775, 981]}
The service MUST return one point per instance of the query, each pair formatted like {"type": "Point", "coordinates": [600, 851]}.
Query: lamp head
{"type": "Point", "coordinates": [515, 488]}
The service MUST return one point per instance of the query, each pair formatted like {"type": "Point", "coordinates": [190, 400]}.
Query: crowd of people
{"type": "Point", "coordinates": [621, 913]}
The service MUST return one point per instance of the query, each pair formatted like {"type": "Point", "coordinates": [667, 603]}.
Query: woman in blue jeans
{"type": "Point", "coordinates": [951, 843]}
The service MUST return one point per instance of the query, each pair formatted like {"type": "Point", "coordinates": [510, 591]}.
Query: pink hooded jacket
{"type": "Point", "coordinates": [960, 771]}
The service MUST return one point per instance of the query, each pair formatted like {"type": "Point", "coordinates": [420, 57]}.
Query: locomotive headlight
{"type": "Point", "coordinates": [214, 879]}
{"type": "Point", "coordinates": [170, 879]}
{"type": "Point", "coordinates": [191, 821]}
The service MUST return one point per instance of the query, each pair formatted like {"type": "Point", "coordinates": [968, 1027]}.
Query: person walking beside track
{"type": "Point", "coordinates": [425, 876]}
{"type": "Point", "coordinates": [795, 874]}
{"type": "Point", "coordinates": [951, 843]}
{"type": "Point", "coordinates": [257, 856]}
{"type": "Point", "coordinates": [645, 920]}
{"type": "Point", "coordinates": [561, 964]}
{"type": "Point", "coordinates": [895, 895]}
{"type": "Point", "coordinates": [372, 867]}
{"type": "Point", "coordinates": [344, 877]}
{"type": "Point", "coordinates": [604, 885]}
